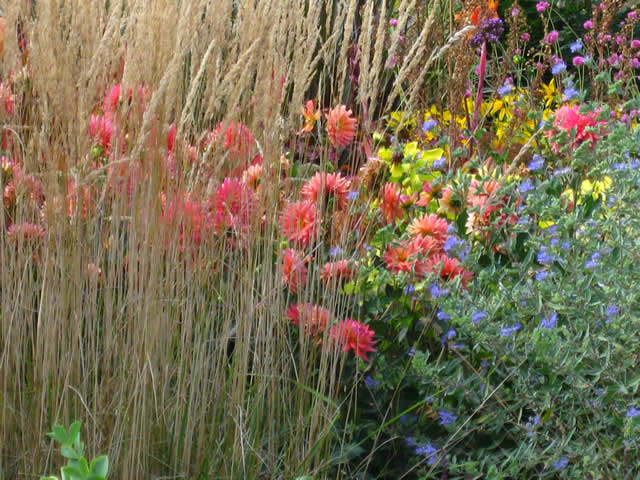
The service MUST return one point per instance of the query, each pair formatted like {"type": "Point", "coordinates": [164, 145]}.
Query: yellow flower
{"type": "Point", "coordinates": [549, 93]}
{"type": "Point", "coordinates": [595, 189]}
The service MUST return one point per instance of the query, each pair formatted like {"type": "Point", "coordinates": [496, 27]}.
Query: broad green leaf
{"type": "Point", "coordinates": [59, 434]}
{"type": "Point", "coordinates": [100, 466]}
{"type": "Point", "coordinates": [68, 452]}
{"type": "Point", "coordinates": [70, 473]}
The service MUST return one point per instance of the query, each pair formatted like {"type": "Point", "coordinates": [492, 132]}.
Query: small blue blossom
{"type": "Point", "coordinates": [558, 68]}
{"type": "Point", "coordinates": [437, 292]}
{"type": "Point", "coordinates": [576, 46]}
{"type": "Point", "coordinates": [352, 195]}
{"type": "Point", "coordinates": [439, 163]}
{"type": "Point", "coordinates": [429, 125]}
{"type": "Point", "coordinates": [370, 382]}
{"type": "Point", "coordinates": [551, 322]}
{"type": "Point", "coordinates": [442, 315]}
{"type": "Point", "coordinates": [566, 246]}
{"type": "Point", "coordinates": [560, 464]}
{"type": "Point", "coordinates": [508, 331]}
{"type": "Point", "coordinates": [541, 275]}
{"type": "Point", "coordinates": [446, 418]}
{"type": "Point", "coordinates": [554, 242]}
{"type": "Point", "coordinates": [428, 451]}
{"type": "Point", "coordinates": [593, 262]}
{"type": "Point", "coordinates": [505, 89]}
{"type": "Point", "coordinates": [409, 289]}
{"type": "Point", "coordinates": [544, 256]}
{"type": "Point", "coordinates": [451, 228]}
{"type": "Point", "coordinates": [621, 166]}
{"type": "Point", "coordinates": [633, 412]}
{"type": "Point", "coordinates": [526, 186]}
{"type": "Point", "coordinates": [569, 94]}
{"type": "Point", "coordinates": [412, 351]}
{"type": "Point", "coordinates": [478, 316]}
{"type": "Point", "coordinates": [335, 252]}
{"type": "Point", "coordinates": [561, 171]}
{"type": "Point", "coordinates": [536, 163]}
{"type": "Point", "coordinates": [451, 243]}
{"type": "Point", "coordinates": [484, 363]}
{"type": "Point", "coordinates": [612, 312]}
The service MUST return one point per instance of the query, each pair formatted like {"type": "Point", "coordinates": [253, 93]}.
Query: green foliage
{"type": "Point", "coordinates": [72, 448]}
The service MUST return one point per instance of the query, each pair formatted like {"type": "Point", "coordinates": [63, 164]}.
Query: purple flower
{"type": "Point", "coordinates": [505, 89]}
{"type": "Point", "coordinates": [477, 316]}
{"type": "Point", "coordinates": [544, 256]}
{"type": "Point", "coordinates": [352, 195]}
{"type": "Point", "coordinates": [393, 22]}
{"type": "Point", "coordinates": [593, 262]}
{"type": "Point", "coordinates": [370, 382]}
{"type": "Point", "coordinates": [429, 125]}
{"type": "Point", "coordinates": [428, 451]}
{"type": "Point", "coordinates": [489, 31]}
{"type": "Point", "coordinates": [446, 418]}
{"type": "Point", "coordinates": [442, 315]}
{"type": "Point", "coordinates": [536, 163]}
{"type": "Point", "coordinates": [633, 412]}
{"type": "Point", "coordinates": [588, 25]}
{"type": "Point", "coordinates": [576, 46]}
{"type": "Point", "coordinates": [558, 67]}
{"type": "Point", "coordinates": [439, 163]}
{"type": "Point", "coordinates": [335, 251]}
{"type": "Point", "coordinates": [569, 93]}
{"type": "Point", "coordinates": [437, 292]}
{"type": "Point", "coordinates": [541, 275]}
{"type": "Point", "coordinates": [450, 243]}
{"type": "Point", "coordinates": [549, 323]}
{"type": "Point", "coordinates": [508, 331]}
{"type": "Point", "coordinates": [526, 186]}
{"type": "Point", "coordinates": [561, 171]}
{"type": "Point", "coordinates": [408, 289]}
{"type": "Point", "coordinates": [560, 464]}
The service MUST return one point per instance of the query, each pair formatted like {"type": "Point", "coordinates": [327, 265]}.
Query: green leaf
{"type": "Point", "coordinates": [70, 473]}
{"type": "Point", "coordinates": [100, 465]}
{"type": "Point", "coordinates": [68, 452]}
{"type": "Point", "coordinates": [432, 155]}
{"type": "Point", "coordinates": [59, 434]}
{"type": "Point", "coordinates": [74, 432]}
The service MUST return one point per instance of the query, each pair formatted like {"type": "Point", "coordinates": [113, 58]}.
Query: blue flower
{"type": "Point", "coordinates": [554, 242]}
{"type": "Point", "coordinates": [576, 46]}
{"type": "Point", "coordinates": [549, 323]}
{"type": "Point", "coordinates": [370, 382]}
{"type": "Point", "coordinates": [505, 89]}
{"type": "Point", "coordinates": [508, 331]}
{"type": "Point", "coordinates": [561, 171]}
{"type": "Point", "coordinates": [335, 251]}
{"type": "Point", "coordinates": [442, 315]}
{"type": "Point", "coordinates": [620, 166]}
{"type": "Point", "coordinates": [569, 93]}
{"type": "Point", "coordinates": [633, 412]}
{"type": "Point", "coordinates": [477, 316]}
{"type": "Point", "coordinates": [450, 243]}
{"type": "Point", "coordinates": [412, 351]}
{"type": "Point", "coordinates": [558, 68]}
{"type": "Point", "coordinates": [429, 125]}
{"type": "Point", "coordinates": [560, 464]}
{"type": "Point", "coordinates": [544, 256]}
{"type": "Point", "coordinates": [612, 312]}
{"type": "Point", "coordinates": [409, 289]}
{"type": "Point", "coordinates": [541, 275]}
{"type": "Point", "coordinates": [437, 292]}
{"type": "Point", "coordinates": [446, 418]}
{"type": "Point", "coordinates": [428, 451]}
{"type": "Point", "coordinates": [439, 163]}
{"type": "Point", "coordinates": [566, 246]}
{"type": "Point", "coordinates": [352, 195]}
{"type": "Point", "coordinates": [536, 163]}
{"type": "Point", "coordinates": [526, 186]}
{"type": "Point", "coordinates": [594, 261]}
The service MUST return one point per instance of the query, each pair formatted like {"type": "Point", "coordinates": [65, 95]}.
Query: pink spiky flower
{"type": "Point", "coordinates": [341, 126]}
{"type": "Point", "coordinates": [391, 209]}
{"type": "Point", "coordinates": [311, 318]}
{"type": "Point", "coordinates": [328, 184]}
{"type": "Point", "coordinates": [355, 336]}
{"type": "Point", "coordinates": [234, 204]}
{"type": "Point", "coordinates": [429, 225]}
{"type": "Point", "coordinates": [339, 271]}
{"type": "Point", "coordinates": [21, 232]}
{"type": "Point", "coordinates": [293, 269]}
{"type": "Point", "coordinates": [298, 222]}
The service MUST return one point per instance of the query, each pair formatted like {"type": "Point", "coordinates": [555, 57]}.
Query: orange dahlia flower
{"type": "Point", "coordinates": [330, 184]}
{"type": "Point", "coordinates": [293, 269]}
{"type": "Point", "coordinates": [341, 126]}
{"type": "Point", "coordinates": [355, 336]}
{"type": "Point", "coordinates": [298, 222]}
